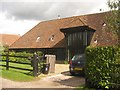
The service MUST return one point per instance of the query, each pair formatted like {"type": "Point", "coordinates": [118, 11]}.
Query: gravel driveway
{"type": "Point", "coordinates": [60, 79]}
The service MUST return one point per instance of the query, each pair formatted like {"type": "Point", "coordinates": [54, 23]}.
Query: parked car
{"type": "Point", "coordinates": [76, 64]}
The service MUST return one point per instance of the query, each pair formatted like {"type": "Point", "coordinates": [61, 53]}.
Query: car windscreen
{"type": "Point", "coordinates": [78, 57]}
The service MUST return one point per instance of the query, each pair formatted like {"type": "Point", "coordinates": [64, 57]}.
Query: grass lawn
{"type": "Point", "coordinates": [16, 74]}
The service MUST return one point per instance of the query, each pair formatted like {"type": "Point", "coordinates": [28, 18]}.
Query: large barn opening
{"type": "Point", "coordinates": [77, 38]}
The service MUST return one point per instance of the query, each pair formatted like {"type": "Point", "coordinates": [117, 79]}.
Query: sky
{"type": "Point", "coordinates": [19, 16]}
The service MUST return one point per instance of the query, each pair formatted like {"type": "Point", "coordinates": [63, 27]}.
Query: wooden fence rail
{"type": "Point", "coordinates": [17, 68]}
{"type": "Point", "coordinates": [33, 62]}
{"type": "Point", "coordinates": [17, 62]}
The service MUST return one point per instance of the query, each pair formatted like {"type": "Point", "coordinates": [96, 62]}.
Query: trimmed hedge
{"type": "Point", "coordinates": [103, 67]}
{"type": "Point", "coordinates": [18, 59]}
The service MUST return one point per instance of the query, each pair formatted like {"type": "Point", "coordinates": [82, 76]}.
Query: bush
{"type": "Point", "coordinates": [18, 59]}
{"type": "Point", "coordinates": [103, 67]}
{"type": "Point", "coordinates": [66, 62]}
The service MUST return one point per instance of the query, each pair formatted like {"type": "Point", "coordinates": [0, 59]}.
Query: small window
{"type": "Point", "coordinates": [38, 38]}
{"type": "Point", "coordinates": [104, 24]}
{"type": "Point", "coordinates": [52, 38]}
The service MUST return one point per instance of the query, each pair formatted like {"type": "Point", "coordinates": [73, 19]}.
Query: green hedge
{"type": "Point", "coordinates": [18, 59]}
{"type": "Point", "coordinates": [103, 67]}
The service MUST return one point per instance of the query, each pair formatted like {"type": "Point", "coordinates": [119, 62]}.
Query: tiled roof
{"type": "Point", "coordinates": [47, 33]}
{"type": "Point", "coordinates": [8, 39]}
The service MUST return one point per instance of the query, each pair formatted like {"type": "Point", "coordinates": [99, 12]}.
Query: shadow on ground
{"type": "Point", "coordinates": [67, 73]}
{"type": "Point", "coordinates": [72, 81]}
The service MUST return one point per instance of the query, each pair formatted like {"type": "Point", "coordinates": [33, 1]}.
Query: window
{"type": "Point", "coordinates": [38, 38]}
{"type": "Point", "coordinates": [52, 38]}
{"type": "Point", "coordinates": [104, 24]}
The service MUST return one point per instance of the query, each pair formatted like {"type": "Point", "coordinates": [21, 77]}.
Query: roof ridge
{"type": "Point", "coordinates": [76, 16]}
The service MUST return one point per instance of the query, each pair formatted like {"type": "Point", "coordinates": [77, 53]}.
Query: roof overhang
{"type": "Point", "coordinates": [77, 29]}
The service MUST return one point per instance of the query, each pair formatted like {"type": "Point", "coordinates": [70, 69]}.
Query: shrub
{"type": "Point", "coordinates": [66, 62]}
{"type": "Point", "coordinates": [18, 59]}
{"type": "Point", "coordinates": [101, 69]}
{"type": "Point", "coordinates": [39, 53]}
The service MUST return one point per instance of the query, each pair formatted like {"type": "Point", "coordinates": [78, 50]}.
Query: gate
{"type": "Point", "coordinates": [38, 64]}
{"type": "Point", "coordinates": [35, 63]}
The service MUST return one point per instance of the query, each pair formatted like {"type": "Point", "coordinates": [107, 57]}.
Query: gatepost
{"type": "Point", "coordinates": [35, 65]}
{"type": "Point", "coordinates": [51, 59]}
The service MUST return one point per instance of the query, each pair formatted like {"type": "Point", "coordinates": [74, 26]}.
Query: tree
{"type": "Point", "coordinates": [113, 20]}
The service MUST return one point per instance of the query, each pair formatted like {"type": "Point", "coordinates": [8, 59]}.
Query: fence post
{"type": "Point", "coordinates": [7, 60]}
{"type": "Point", "coordinates": [35, 64]}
